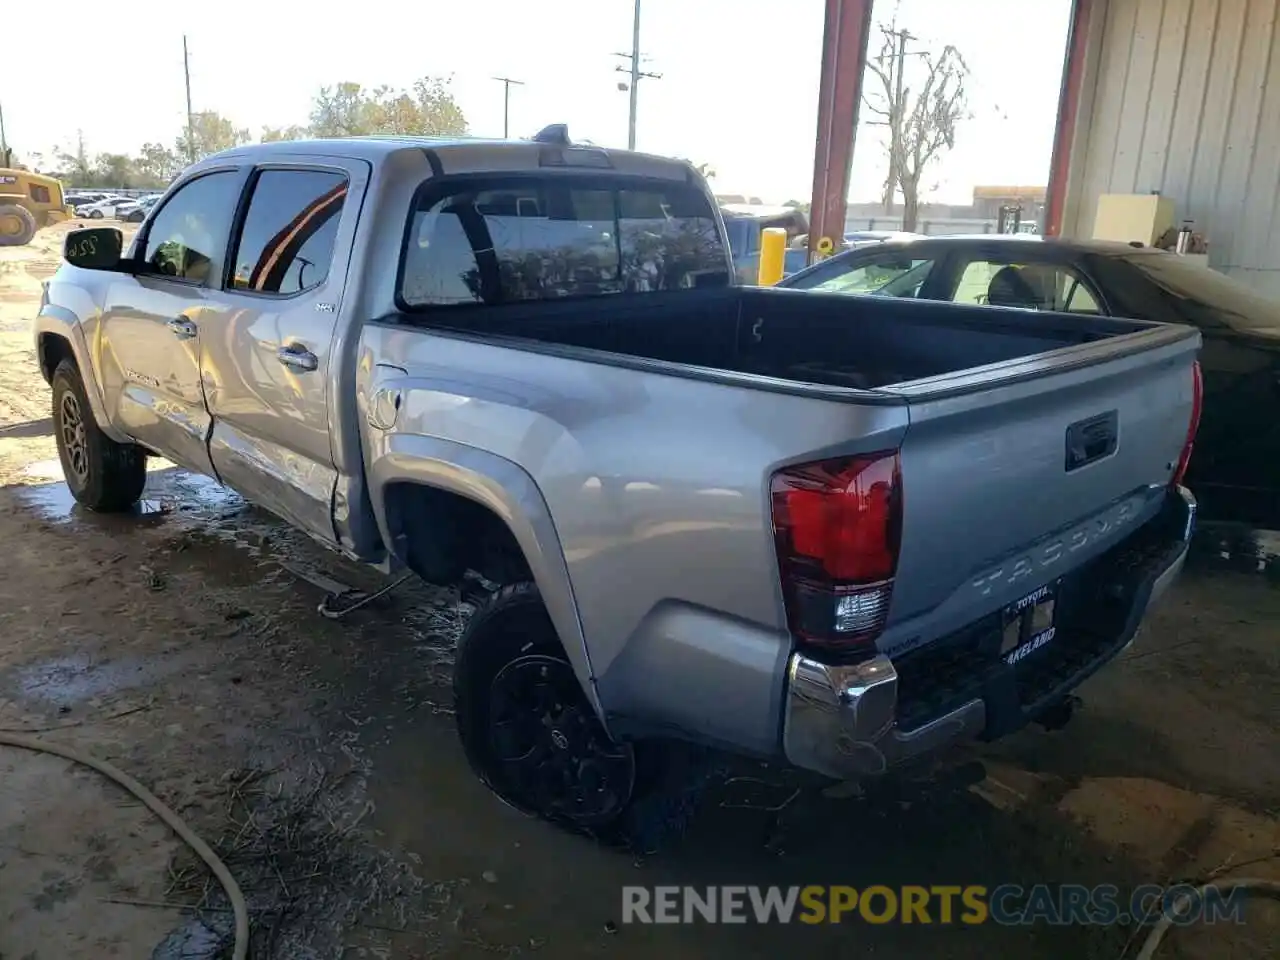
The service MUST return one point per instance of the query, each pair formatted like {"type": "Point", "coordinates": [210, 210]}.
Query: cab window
{"type": "Point", "coordinates": [187, 237]}
{"type": "Point", "coordinates": [512, 240]}
{"type": "Point", "coordinates": [286, 244]}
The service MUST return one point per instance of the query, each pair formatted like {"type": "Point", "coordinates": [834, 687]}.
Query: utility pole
{"type": "Point", "coordinates": [506, 103]}
{"type": "Point", "coordinates": [636, 76]}
{"type": "Point", "coordinates": [186, 74]}
{"type": "Point", "coordinates": [5, 158]}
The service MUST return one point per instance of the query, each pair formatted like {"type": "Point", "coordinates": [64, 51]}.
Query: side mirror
{"type": "Point", "coordinates": [94, 248]}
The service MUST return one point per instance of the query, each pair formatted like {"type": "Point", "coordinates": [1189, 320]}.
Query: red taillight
{"type": "Point", "coordinates": [837, 525]}
{"type": "Point", "coordinates": [1197, 403]}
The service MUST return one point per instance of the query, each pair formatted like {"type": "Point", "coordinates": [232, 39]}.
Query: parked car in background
{"type": "Point", "coordinates": [82, 198]}
{"type": "Point", "coordinates": [125, 207]}
{"type": "Point", "coordinates": [135, 211]}
{"type": "Point", "coordinates": [106, 207]}
{"type": "Point", "coordinates": [838, 534]}
{"type": "Point", "coordinates": [1235, 471]}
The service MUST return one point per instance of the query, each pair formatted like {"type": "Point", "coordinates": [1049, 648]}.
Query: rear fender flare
{"type": "Point", "coordinates": [509, 492]}
{"type": "Point", "coordinates": [55, 321]}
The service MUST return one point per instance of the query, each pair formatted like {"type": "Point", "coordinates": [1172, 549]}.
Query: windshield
{"type": "Point", "coordinates": [508, 240]}
{"type": "Point", "coordinates": [1199, 293]}
{"type": "Point", "coordinates": [885, 275]}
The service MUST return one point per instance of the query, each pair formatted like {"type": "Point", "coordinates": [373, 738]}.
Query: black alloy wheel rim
{"type": "Point", "coordinates": [550, 746]}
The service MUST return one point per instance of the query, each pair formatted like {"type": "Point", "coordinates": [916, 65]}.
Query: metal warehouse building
{"type": "Point", "coordinates": [1179, 97]}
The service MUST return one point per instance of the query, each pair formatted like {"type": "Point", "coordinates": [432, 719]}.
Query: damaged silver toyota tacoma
{"type": "Point", "coordinates": [835, 531]}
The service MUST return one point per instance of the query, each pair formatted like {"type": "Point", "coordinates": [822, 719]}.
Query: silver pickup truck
{"type": "Point", "coordinates": [841, 532]}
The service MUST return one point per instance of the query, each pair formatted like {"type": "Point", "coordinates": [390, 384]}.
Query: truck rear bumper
{"type": "Point", "coordinates": [858, 720]}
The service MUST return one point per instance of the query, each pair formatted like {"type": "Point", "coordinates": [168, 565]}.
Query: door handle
{"type": "Point", "coordinates": [297, 357]}
{"type": "Point", "coordinates": [182, 328]}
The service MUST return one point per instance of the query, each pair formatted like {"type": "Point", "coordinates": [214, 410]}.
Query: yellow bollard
{"type": "Point", "coordinates": [773, 252]}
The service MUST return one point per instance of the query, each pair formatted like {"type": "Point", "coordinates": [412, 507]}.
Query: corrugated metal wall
{"type": "Point", "coordinates": [1187, 102]}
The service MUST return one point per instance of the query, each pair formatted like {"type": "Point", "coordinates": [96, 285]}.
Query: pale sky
{"type": "Point", "coordinates": [738, 90]}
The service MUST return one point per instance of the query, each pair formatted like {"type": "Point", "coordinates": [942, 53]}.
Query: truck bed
{"type": "Point", "coordinates": [859, 342]}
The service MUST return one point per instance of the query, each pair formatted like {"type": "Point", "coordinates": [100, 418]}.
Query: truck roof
{"type": "Point", "coordinates": [467, 153]}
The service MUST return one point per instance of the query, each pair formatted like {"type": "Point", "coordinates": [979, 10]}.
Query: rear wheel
{"type": "Point", "coordinates": [532, 737]}
{"type": "Point", "coordinates": [17, 225]}
{"type": "Point", "coordinates": [526, 726]}
{"type": "Point", "coordinates": [101, 474]}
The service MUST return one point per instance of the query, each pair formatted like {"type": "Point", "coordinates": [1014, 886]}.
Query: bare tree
{"type": "Point", "coordinates": [921, 117]}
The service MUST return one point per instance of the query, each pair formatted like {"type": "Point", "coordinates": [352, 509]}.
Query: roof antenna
{"type": "Point", "coordinates": [557, 133]}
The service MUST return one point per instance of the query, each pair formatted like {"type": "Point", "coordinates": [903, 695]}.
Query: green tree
{"type": "Point", "coordinates": [350, 110]}
{"type": "Point", "coordinates": [156, 165]}
{"type": "Point", "coordinates": [439, 113]}
{"type": "Point", "coordinates": [114, 170]}
{"type": "Point", "coordinates": [210, 133]}
{"type": "Point", "coordinates": [276, 134]}
{"type": "Point", "coordinates": [344, 110]}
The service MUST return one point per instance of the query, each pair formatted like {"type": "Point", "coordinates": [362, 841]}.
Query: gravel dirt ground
{"type": "Point", "coordinates": [182, 643]}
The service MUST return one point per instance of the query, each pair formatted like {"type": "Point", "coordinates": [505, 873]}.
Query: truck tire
{"type": "Point", "coordinates": [17, 225]}
{"type": "Point", "coordinates": [101, 474]}
{"type": "Point", "coordinates": [527, 729]}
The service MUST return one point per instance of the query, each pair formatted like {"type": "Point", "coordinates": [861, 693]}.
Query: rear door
{"type": "Point", "coordinates": [268, 359]}
{"type": "Point", "coordinates": [148, 344]}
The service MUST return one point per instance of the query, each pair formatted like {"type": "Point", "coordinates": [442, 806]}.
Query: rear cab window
{"type": "Point", "coordinates": [495, 240]}
{"type": "Point", "coordinates": [286, 244]}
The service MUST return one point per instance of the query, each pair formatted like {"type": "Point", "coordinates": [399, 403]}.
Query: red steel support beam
{"type": "Point", "coordinates": [1068, 111]}
{"type": "Point", "coordinates": [844, 55]}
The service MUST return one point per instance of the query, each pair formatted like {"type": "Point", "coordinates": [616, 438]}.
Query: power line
{"type": "Point", "coordinates": [506, 103]}
{"type": "Point", "coordinates": [636, 76]}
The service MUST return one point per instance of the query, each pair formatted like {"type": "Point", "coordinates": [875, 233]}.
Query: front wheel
{"type": "Point", "coordinates": [101, 474]}
{"type": "Point", "coordinates": [96, 214]}
{"type": "Point", "coordinates": [526, 726]}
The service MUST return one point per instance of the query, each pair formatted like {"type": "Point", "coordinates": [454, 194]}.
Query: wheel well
{"type": "Point", "coordinates": [441, 535]}
{"type": "Point", "coordinates": [52, 350]}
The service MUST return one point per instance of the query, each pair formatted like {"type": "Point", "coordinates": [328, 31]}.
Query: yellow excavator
{"type": "Point", "coordinates": [28, 201]}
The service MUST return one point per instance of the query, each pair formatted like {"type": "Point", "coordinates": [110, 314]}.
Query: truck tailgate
{"type": "Point", "coordinates": [1014, 477]}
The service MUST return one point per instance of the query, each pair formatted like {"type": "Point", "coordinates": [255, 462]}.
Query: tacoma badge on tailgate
{"type": "Point", "coordinates": [1040, 561]}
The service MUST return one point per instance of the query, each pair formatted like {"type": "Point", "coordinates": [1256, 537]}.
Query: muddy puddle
{"type": "Point", "coordinates": [1239, 548]}
{"type": "Point", "coordinates": [79, 677]}
{"type": "Point", "coordinates": [173, 498]}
